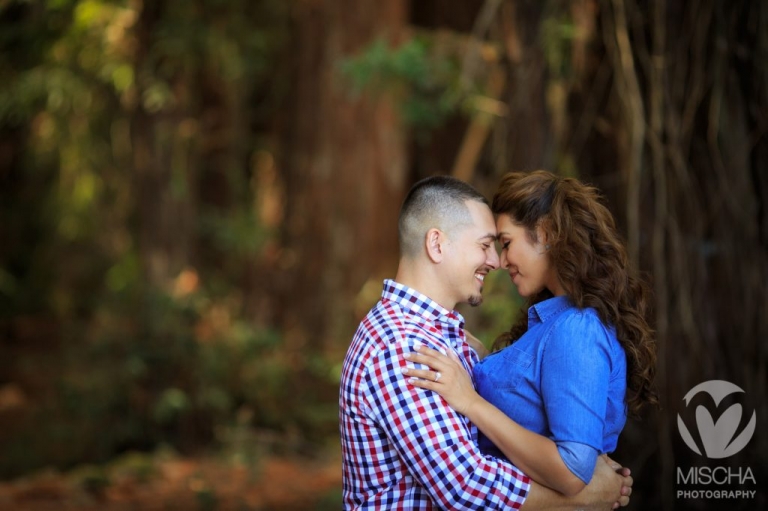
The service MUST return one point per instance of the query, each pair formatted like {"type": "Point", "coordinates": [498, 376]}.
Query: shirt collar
{"type": "Point", "coordinates": [547, 309]}
{"type": "Point", "coordinates": [419, 304]}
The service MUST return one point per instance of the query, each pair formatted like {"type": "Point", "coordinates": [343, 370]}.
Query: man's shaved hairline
{"type": "Point", "coordinates": [435, 207]}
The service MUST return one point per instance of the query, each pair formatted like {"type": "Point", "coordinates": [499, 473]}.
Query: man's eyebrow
{"type": "Point", "coordinates": [489, 235]}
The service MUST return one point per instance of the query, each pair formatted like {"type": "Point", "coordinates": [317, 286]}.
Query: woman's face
{"type": "Point", "coordinates": [527, 262]}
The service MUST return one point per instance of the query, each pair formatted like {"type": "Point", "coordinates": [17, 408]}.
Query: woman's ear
{"type": "Point", "coordinates": [435, 241]}
{"type": "Point", "coordinates": [541, 237]}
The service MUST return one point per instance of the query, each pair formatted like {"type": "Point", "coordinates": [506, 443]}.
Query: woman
{"type": "Point", "coordinates": [556, 396]}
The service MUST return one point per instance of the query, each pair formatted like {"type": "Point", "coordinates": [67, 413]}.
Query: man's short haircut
{"type": "Point", "coordinates": [434, 202]}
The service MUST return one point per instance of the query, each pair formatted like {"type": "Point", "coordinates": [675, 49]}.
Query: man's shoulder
{"type": "Point", "coordinates": [387, 323]}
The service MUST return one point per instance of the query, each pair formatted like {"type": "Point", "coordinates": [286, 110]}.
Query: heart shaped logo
{"type": "Point", "coordinates": [719, 438]}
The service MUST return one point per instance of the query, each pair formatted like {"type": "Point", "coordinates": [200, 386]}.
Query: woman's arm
{"type": "Point", "coordinates": [534, 454]}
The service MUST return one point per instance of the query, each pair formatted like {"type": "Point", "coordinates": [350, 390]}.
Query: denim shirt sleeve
{"type": "Point", "coordinates": [575, 375]}
{"type": "Point", "coordinates": [579, 458]}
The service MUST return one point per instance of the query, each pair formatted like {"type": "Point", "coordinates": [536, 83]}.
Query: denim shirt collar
{"type": "Point", "coordinates": [421, 305]}
{"type": "Point", "coordinates": [547, 309]}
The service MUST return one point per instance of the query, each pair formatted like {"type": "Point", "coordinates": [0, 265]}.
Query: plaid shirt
{"type": "Point", "coordinates": [404, 447]}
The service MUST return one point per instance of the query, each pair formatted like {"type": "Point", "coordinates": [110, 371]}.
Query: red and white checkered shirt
{"type": "Point", "coordinates": [404, 447]}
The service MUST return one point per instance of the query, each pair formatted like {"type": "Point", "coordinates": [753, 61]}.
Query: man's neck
{"type": "Point", "coordinates": [424, 280]}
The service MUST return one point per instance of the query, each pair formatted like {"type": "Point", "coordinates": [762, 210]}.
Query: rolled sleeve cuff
{"type": "Point", "coordinates": [579, 458]}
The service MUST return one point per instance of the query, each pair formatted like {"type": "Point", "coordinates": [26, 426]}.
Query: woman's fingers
{"type": "Point", "coordinates": [423, 379]}
{"type": "Point", "coordinates": [439, 366]}
{"type": "Point", "coordinates": [424, 374]}
{"type": "Point", "coordinates": [433, 355]}
{"type": "Point", "coordinates": [429, 352]}
{"type": "Point", "coordinates": [427, 360]}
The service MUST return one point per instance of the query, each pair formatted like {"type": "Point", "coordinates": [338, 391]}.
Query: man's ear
{"type": "Point", "coordinates": [435, 244]}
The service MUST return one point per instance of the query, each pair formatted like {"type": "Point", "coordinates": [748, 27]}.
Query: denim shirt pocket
{"type": "Point", "coordinates": [504, 370]}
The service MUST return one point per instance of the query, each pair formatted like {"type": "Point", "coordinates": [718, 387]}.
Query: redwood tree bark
{"type": "Point", "coordinates": [163, 200]}
{"type": "Point", "coordinates": [343, 162]}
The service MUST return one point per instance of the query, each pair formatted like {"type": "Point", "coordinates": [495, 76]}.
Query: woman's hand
{"type": "Point", "coordinates": [447, 377]}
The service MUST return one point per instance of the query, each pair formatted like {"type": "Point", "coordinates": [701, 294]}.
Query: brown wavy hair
{"type": "Point", "coordinates": [591, 262]}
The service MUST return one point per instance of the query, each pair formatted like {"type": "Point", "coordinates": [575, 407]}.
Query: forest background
{"type": "Point", "coordinates": [198, 203]}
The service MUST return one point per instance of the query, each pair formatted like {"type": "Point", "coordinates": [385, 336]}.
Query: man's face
{"type": "Point", "coordinates": [472, 254]}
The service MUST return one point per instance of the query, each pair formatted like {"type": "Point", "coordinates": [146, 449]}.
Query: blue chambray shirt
{"type": "Point", "coordinates": [565, 378]}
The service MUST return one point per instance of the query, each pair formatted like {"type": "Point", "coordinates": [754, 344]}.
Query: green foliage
{"type": "Point", "coordinates": [174, 373]}
{"type": "Point", "coordinates": [133, 365]}
{"type": "Point", "coordinates": [238, 232]}
{"type": "Point", "coordinates": [332, 500]}
{"type": "Point", "coordinates": [138, 466]}
{"type": "Point", "coordinates": [94, 479]}
{"type": "Point", "coordinates": [557, 34]}
{"type": "Point", "coordinates": [206, 498]}
{"type": "Point", "coordinates": [425, 80]}
{"type": "Point", "coordinates": [7, 283]}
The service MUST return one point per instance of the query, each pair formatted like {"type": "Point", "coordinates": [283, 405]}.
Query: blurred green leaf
{"type": "Point", "coordinates": [170, 404]}
{"type": "Point", "coordinates": [7, 282]}
{"type": "Point", "coordinates": [425, 81]}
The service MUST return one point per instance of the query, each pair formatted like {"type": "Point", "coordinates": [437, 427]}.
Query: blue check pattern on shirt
{"type": "Point", "coordinates": [404, 447]}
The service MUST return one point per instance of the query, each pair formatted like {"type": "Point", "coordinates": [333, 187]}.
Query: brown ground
{"type": "Point", "coordinates": [182, 484]}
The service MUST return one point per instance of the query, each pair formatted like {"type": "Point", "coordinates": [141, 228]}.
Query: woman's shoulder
{"type": "Point", "coordinates": [577, 328]}
{"type": "Point", "coordinates": [574, 318]}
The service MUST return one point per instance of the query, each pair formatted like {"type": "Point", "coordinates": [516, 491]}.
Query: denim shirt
{"type": "Point", "coordinates": [565, 378]}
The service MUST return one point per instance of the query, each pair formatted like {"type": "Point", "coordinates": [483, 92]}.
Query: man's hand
{"type": "Point", "coordinates": [627, 481]}
{"type": "Point", "coordinates": [610, 487]}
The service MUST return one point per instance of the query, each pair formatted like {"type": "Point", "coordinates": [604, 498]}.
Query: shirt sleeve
{"type": "Point", "coordinates": [575, 376]}
{"type": "Point", "coordinates": [579, 458]}
{"type": "Point", "coordinates": [435, 442]}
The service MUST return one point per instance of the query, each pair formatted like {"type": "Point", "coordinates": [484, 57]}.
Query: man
{"type": "Point", "coordinates": [404, 448]}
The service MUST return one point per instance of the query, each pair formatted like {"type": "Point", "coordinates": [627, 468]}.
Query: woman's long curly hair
{"type": "Point", "coordinates": [592, 265]}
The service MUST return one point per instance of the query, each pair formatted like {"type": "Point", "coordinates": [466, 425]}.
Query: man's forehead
{"type": "Point", "coordinates": [483, 231]}
{"type": "Point", "coordinates": [483, 226]}
{"type": "Point", "coordinates": [489, 236]}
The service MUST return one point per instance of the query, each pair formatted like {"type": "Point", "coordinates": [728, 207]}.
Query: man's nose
{"type": "Point", "coordinates": [493, 260]}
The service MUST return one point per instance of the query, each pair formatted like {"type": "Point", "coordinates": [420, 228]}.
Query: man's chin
{"type": "Point", "coordinates": [475, 300]}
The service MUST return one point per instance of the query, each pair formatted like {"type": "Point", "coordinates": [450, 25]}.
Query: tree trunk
{"type": "Point", "coordinates": [163, 163]}
{"type": "Point", "coordinates": [343, 162]}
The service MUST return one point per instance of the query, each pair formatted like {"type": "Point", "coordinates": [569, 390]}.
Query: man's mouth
{"type": "Point", "coordinates": [480, 276]}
